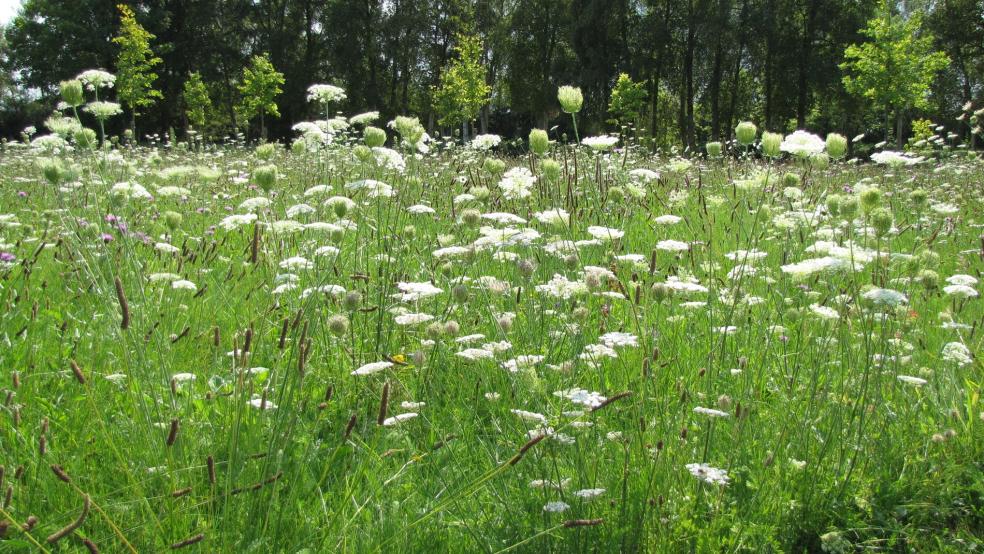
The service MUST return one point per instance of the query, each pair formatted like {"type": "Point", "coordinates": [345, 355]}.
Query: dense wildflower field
{"type": "Point", "coordinates": [342, 347]}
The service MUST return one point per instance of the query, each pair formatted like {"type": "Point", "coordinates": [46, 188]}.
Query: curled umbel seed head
{"type": "Point", "coordinates": [570, 99]}
{"type": "Point", "coordinates": [745, 132]}
{"type": "Point", "coordinates": [539, 142]}
{"type": "Point", "coordinates": [338, 324]}
{"type": "Point", "coordinates": [352, 300]}
{"type": "Point", "coordinates": [71, 92]}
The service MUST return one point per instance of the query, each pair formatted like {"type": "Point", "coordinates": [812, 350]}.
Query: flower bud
{"type": "Point", "coordinates": [338, 324]}
{"type": "Point", "coordinates": [53, 170]}
{"type": "Point", "coordinates": [434, 330]}
{"type": "Point", "coordinates": [86, 138]}
{"type": "Point", "coordinates": [526, 267]}
{"type": "Point", "coordinates": [505, 323]}
{"type": "Point", "coordinates": [929, 258]}
{"type": "Point", "coordinates": [570, 99]}
{"type": "Point", "coordinates": [72, 93]}
{"type": "Point", "coordinates": [551, 170]}
{"type": "Point", "coordinates": [452, 328]}
{"type": "Point", "coordinates": [363, 153]}
{"type": "Point", "coordinates": [539, 142]}
{"type": "Point", "coordinates": [713, 149]}
{"type": "Point", "coordinates": [834, 204]}
{"type": "Point", "coordinates": [172, 220]}
{"type": "Point", "coordinates": [494, 166]}
{"type": "Point", "coordinates": [481, 193]}
{"type": "Point", "coordinates": [745, 132]}
{"type": "Point", "coordinates": [770, 144]}
{"type": "Point", "coordinates": [836, 146]}
{"type": "Point", "coordinates": [661, 292]}
{"type": "Point", "coordinates": [266, 150]}
{"type": "Point", "coordinates": [870, 199]}
{"type": "Point", "coordinates": [471, 217]}
{"type": "Point", "coordinates": [881, 220]}
{"type": "Point", "coordinates": [791, 180]}
{"type": "Point", "coordinates": [374, 137]}
{"type": "Point", "coordinates": [929, 279]}
{"type": "Point", "coordinates": [849, 207]}
{"type": "Point", "coordinates": [352, 300]}
{"type": "Point", "coordinates": [460, 293]}
{"type": "Point", "coordinates": [724, 402]}
{"type": "Point", "coordinates": [792, 314]}
{"type": "Point", "coordinates": [339, 206]}
{"type": "Point", "coordinates": [265, 176]}
{"type": "Point", "coordinates": [918, 197]}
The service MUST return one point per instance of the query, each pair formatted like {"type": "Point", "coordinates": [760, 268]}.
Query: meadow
{"type": "Point", "coordinates": [343, 346]}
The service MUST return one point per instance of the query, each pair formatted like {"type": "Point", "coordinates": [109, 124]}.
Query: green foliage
{"type": "Point", "coordinates": [258, 89]}
{"type": "Point", "coordinates": [198, 105]}
{"type": "Point", "coordinates": [895, 68]}
{"type": "Point", "coordinates": [134, 64]}
{"type": "Point", "coordinates": [705, 64]}
{"type": "Point", "coordinates": [922, 129]}
{"type": "Point", "coordinates": [628, 100]}
{"type": "Point", "coordinates": [463, 90]}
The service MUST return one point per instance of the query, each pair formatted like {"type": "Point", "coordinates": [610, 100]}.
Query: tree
{"type": "Point", "coordinates": [198, 105]}
{"type": "Point", "coordinates": [463, 90]}
{"type": "Point", "coordinates": [628, 100]}
{"type": "Point", "coordinates": [134, 65]}
{"type": "Point", "coordinates": [539, 57]}
{"type": "Point", "coordinates": [260, 85]}
{"type": "Point", "coordinates": [895, 68]}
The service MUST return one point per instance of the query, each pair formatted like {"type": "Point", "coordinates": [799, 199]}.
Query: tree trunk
{"type": "Point", "coordinates": [806, 43]}
{"type": "Point", "coordinates": [888, 124]}
{"type": "Point", "coordinates": [723, 17]}
{"type": "Point", "coordinates": [899, 129]}
{"type": "Point", "coordinates": [736, 76]}
{"type": "Point", "coordinates": [688, 72]}
{"type": "Point", "coordinates": [769, 46]}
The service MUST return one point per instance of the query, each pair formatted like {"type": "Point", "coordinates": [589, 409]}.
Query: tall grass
{"type": "Point", "coordinates": [202, 396]}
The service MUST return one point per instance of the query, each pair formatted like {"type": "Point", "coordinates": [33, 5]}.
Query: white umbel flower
{"type": "Point", "coordinates": [374, 367]}
{"type": "Point", "coordinates": [708, 474]}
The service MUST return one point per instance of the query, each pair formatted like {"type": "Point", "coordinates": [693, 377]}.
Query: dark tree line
{"type": "Point", "coordinates": [706, 64]}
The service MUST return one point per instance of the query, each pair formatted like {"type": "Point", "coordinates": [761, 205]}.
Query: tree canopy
{"type": "Point", "coordinates": [462, 91]}
{"type": "Point", "coordinates": [896, 66]}
{"type": "Point", "coordinates": [134, 64]}
{"type": "Point", "coordinates": [703, 64]}
{"type": "Point", "coordinates": [259, 87]}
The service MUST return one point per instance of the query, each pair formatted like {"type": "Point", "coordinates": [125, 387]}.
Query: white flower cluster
{"type": "Point", "coordinates": [325, 94]}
